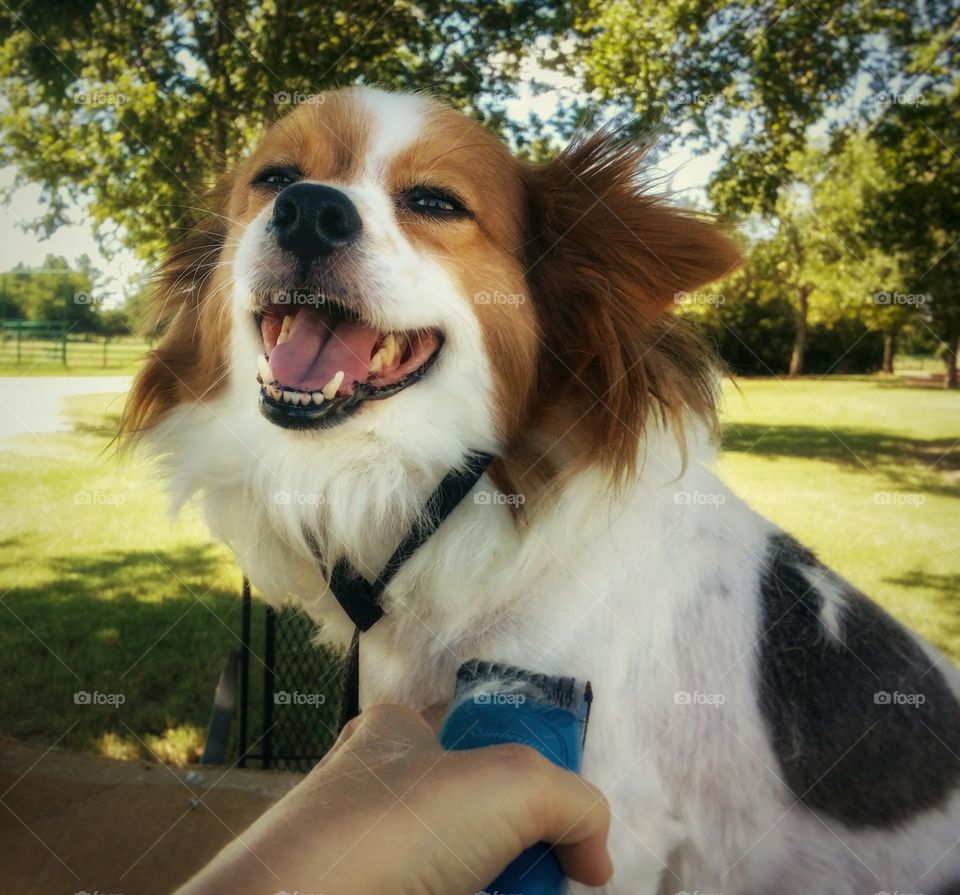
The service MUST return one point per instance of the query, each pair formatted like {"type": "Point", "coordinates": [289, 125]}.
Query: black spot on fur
{"type": "Point", "coordinates": [864, 729]}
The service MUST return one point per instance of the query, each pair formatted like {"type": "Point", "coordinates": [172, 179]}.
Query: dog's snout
{"type": "Point", "coordinates": [312, 220]}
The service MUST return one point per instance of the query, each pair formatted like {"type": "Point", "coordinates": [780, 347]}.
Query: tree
{"type": "Point", "coordinates": [54, 291]}
{"type": "Point", "coordinates": [764, 83]}
{"type": "Point", "coordinates": [135, 106]}
{"type": "Point", "coordinates": [754, 79]}
{"type": "Point", "coordinates": [917, 211]}
{"type": "Point", "coordinates": [855, 276]}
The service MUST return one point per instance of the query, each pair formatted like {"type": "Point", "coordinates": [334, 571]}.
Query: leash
{"type": "Point", "coordinates": [360, 599]}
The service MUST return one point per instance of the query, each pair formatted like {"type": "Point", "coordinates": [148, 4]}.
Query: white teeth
{"type": "Point", "coordinates": [291, 397]}
{"type": "Point", "coordinates": [266, 374]}
{"type": "Point", "coordinates": [376, 362]}
{"type": "Point", "coordinates": [285, 329]}
{"type": "Point", "coordinates": [304, 398]}
{"type": "Point", "coordinates": [274, 392]}
{"type": "Point", "coordinates": [330, 389]}
{"type": "Point", "coordinates": [318, 397]}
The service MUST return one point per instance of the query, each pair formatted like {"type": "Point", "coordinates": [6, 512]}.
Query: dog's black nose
{"type": "Point", "coordinates": [311, 220]}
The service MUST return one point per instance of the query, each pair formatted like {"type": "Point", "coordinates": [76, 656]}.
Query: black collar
{"type": "Point", "coordinates": [360, 598]}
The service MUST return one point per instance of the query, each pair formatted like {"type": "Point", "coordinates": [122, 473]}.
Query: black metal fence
{"type": "Point", "coordinates": [277, 702]}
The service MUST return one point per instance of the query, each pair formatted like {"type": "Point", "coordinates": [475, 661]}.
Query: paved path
{"type": "Point", "coordinates": [34, 403]}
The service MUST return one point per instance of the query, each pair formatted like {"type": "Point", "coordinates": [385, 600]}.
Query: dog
{"type": "Point", "coordinates": [383, 290]}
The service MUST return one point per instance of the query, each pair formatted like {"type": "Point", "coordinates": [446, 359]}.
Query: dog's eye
{"type": "Point", "coordinates": [276, 178]}
{"type": "Point", "coordinates": [433, 202]}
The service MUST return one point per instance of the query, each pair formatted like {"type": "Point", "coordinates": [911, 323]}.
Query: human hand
{"type": "Point", "coordinates": [388, 810]}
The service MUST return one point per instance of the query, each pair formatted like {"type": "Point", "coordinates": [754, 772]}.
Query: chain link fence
{"type": "Point", "coordinates": [277, 703]}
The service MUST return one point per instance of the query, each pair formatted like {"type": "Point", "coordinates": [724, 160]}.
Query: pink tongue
{"type": "Point", "coordinates": [313, 355]}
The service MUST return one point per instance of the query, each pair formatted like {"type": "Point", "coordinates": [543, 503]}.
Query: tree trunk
{"type": "Point", "coordinates": [950, 359]}
{"type": "Point", "coordinates": [889, 340]}
{"type": "Point", "coordinates": [800, 338]}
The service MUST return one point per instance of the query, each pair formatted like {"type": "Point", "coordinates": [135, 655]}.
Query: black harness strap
{"type": "Point", "coordinates": [360, 599]}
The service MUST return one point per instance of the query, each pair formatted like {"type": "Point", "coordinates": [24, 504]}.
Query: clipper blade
{"type": "Point", "coordinates": [560, 692]}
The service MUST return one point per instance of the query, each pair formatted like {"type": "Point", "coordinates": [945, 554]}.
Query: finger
{"type": "Point", "coordinates": [346, 732]}
{"type": "Point", "coordinates": [577, 820]}
{"type": "Point", "coordinates": [435, 715]}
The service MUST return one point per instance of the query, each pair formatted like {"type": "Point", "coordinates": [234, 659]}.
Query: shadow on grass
{"type": "Point", "coordinates": [901, 459]}
{"type": "Point", "coordinates": [149, 628]}
{"type": "Point", "coordinates": [121, 622]}
{"type": "Point", "coordinates": [943, 602]}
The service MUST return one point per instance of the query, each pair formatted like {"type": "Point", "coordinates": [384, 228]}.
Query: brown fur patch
{"type": "Point", "coordinates": [189, 364]}
{"type": "Point", "coordinates": [605, 262]}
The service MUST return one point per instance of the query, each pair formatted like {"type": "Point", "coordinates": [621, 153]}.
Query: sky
{"type": "Point", "coordinates": [683, 173]}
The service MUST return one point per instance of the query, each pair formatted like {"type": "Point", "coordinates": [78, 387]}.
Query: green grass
{"type": "Point", "coordinates": [867, 473]}
{"type": "Point", "coordinates": [101, 592]}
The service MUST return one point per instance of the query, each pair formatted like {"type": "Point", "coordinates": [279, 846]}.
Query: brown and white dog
{"type": "Point", "coordinates": [383, 289]}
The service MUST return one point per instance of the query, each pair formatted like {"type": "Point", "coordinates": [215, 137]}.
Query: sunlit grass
{"type": "Point", "coordinates": [103, 594]}
{"type": "Point", "coordinates": [868, 473]}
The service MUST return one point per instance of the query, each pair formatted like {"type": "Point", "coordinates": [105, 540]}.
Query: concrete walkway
{"type": "Point", "coordinates": [33, 404]}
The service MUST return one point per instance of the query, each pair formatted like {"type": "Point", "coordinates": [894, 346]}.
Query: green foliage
{"type": "Point", "coordinates": [838, 127]}
{"type": "Point", "coordinates": [917, 211]}
{"type": "Point", "coordinates": [754, 78]}
{"type": "Point", "coordinates": [752, 323]}
{"type": "Point", "coordinates": [52, 291]}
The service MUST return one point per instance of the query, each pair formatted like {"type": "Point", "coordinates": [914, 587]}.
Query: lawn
{"type": "Point", "coordinates": [867, 472]}
{"type": "Point", "coordinates": [102, 593]}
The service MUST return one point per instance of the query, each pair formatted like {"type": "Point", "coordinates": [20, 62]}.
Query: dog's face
{"type": "Point", "coordinates": [383, 267]}
{"type": "Point", "coordinates": [370, 231]}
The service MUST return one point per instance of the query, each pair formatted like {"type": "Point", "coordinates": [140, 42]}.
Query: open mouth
{"type": "Point", "coordinates": [322, 362]}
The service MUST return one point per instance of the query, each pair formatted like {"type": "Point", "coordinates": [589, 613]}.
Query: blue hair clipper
{"type": "Point", "coordinates": [501, 704]}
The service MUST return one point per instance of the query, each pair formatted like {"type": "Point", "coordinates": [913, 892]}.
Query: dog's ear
{"type": "Point", "coordinates": [189, 361]}
{"type": "Point", "coordinates": [606, 262]}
